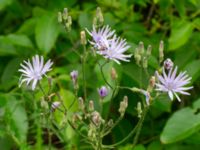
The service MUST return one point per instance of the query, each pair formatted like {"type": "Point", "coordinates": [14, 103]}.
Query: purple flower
{"type": "Point", "coordinates": [103, 92]}
{"type": "Point", "coordinates": [101, 37]}
{"type": "Point", "coordinates": [115, 50]}
{"type": "Point", "coordinates": [32, 72]}
{"type": "Point", "coordinates": [109, 45]}
{"type": "Point", "coordinates": [74, 76]}
{"type": "Point", "coordinates": [173, 84]}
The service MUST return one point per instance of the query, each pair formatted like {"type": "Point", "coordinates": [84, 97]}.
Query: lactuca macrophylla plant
{"type": "Point", "coordinates": [89, 117]}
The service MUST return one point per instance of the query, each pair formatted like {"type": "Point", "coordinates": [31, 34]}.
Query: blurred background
{"type": "Point", "coordinates": [30, 27]}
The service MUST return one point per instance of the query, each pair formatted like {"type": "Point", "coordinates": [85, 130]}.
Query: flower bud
{"type": "Point", "coordinates": [99, 16]}
{"type": "Point", "coordinates": [139, 109]}
{"type": "Point", "coordinates": [103, 92]}
{"type": "Point", "coordinates": [113, 74]}
{"type": "Point", "coordinates": [168, 64]}
{"type": "Point", "coordinates": [147, 96]}
{"type": "Point", "coordinates": [141, 48]}
{"type": "Point", "coordinates": [81, 104]}
{"type": "Point", "coordinates": [149, 49]}
{"type": "Point", "coordinates": [60, 17]}
{"type": "Point", "coordinates": [161, 51]}
{"type": "Point", "coordinates": [91, 105]}
{"type": "Point", "coordinates": [137, 56]}
{"type": "Point", "coordinates": [83, 38]}
{"type": "Point", "coordinates": [74, 77]}
{"type": "Point", "coordinates": [55, 105]}
{"type": "Point", "coordinates": [65, 14]}
{"type": "Point", "coordinates": [145, 63]}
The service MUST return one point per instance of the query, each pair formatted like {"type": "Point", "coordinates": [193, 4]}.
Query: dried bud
{"type": "Point", "coordinates": [91, 105]}
{"type": "Point", "coordinates": [103, 92]}
{"type": "Point", "coordinates": [83, 38]}
{"type": "Point", "coordinates": [55, 105]}
{"type": "Point", "coordinates": [60, 17]}
{"type": "Point", "coordinates": [141, 48]}
{"type": "Point", "coordinates": [65, 14]}
{"type": "Point", "coordinates": [161, 51]}
{"type": "Point", "coordinates": [96, 118]}
{"type": "Point", "coordinates": [139, 109]}
{"type": "Point", "coordinates": [113, 74]}
{"type": "Point", "coordinates": [168, 64]}
{"type": "Point", "coordinates": [149, 49]}
{"type": "Point", "coordinates": [81, 104]}
{"type": "Point", "coordinates": [110, 123]}
{"type": "Point", "coordinates": [152, 82]}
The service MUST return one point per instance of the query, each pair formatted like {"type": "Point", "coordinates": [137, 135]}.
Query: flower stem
{"type": "Point", "coordinates": [101, 68]}
{"type": "Point", "coordinates": [83, 72]}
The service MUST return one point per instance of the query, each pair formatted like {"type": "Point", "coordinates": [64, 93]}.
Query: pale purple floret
{"type": "Point", "coordinates": [103, 92]}
{"type": "Point", "coordinates": [173, 84]}
{"type": "Point", "coordinates": [74, 76]}
{"type": "Point", "coordinates": [33, 71]}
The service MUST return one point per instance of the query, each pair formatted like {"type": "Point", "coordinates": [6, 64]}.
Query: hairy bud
{"type": "Point", "coordinates": [168, 64]}
{"type": "Point", "coordinates": [91, 105]}
{"type": "Point", "coordinates": [113, 74]}
{"type": "Point", "coordinates": [161, 51]}
{"type": "Point", "coordinates": [81, 104]}
{"type": "Point", "coordinates": [83, 38]}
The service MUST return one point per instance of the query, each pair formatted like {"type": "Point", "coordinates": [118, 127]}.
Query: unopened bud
{"type": "Point", "coordinates": [137, 56]}
{"type": "Point", "coordinates": [168, 64]}
{"type": "Point", "coordinates": [141, 48]}
{"type": "Point", "coordinates": [161, 51]}
{"type": "Point", "coordinates": [139, 109]}
{"type": "Point", "coordinates": [69, 20]}
{"type": "Point", "coordinates": [81, 104]}
{"type": "Point", "coordinates": [59, 17]}
{"type": "Point", "coordinates": [149, 49]}
{"type": "Point", "coordinates": [103, 92]}
{"type": "Point", "coordinates": [145, 63]}
{"type": "Point", "coordinates": [83, 38]}
{"type": "Point", "coordinates": [91, 105]}
{"type": "Point", "coordinates": [65, 14]}
{"type": "Point", "coordinates": [76, 117]}
{"type": "Point", "coordinates": [113, 74]}
{"type": "Point", "coordinates": [55, 105]}
{"type": "Point", "coordinates": [99, 16]}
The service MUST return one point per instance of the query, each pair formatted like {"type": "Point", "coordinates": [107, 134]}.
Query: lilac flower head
{"type": "Point", "coordinates": [173, 84]}
{"type": "Point", "coordinates": [74, 75]}
{"type": "Point", "coordinates": [168, 64]}
{"type": "Point", "coordinates": [109, 45]}
{"type": "Point", "coordinates": [115, 50]}
{"type": "Point", "coordinates": [103, 92]}
{"type": "Point", "coordinates": [147, 96]}
{"type": "Point", "coordinates": [55, 105]}
{"type": "Point", "coordinates": [101, 37]}
{"type": "Point", "coordinates": [33, 71]}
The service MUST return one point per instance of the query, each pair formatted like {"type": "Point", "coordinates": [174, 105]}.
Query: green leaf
{"type": "Point", "coordinates": [181, 32]}
{"type": "Point", "coordinates": [18, 119]}
{"type": "Point", "coordinates": [181, 125]}
{"type": "Point", "coordinates": [180, 7]}
{"type": "Point", "coordinates": [129, 147]}
{"type": "Point", "coordinates": [46, 32]}
{"type": "Point", "coordinates": [193, 69]}
{"type": "Point", "coordinates": [84, 20]}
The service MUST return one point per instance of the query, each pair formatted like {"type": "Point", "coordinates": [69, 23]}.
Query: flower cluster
{"type": "Point", "coordinates": [108, 44]}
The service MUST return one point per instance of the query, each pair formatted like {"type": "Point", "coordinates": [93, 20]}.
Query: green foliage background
{"type": "Point", "coordinates": [30, 27]}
